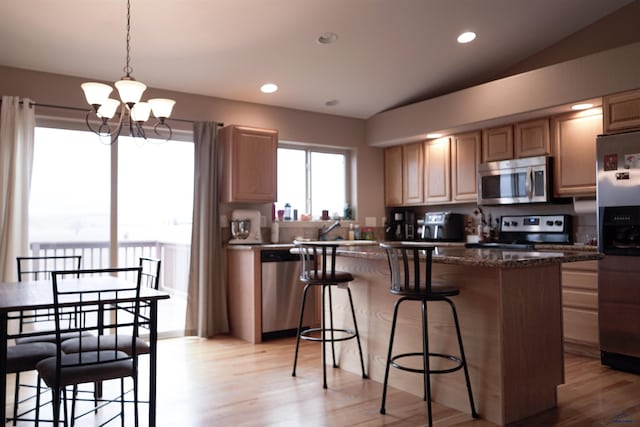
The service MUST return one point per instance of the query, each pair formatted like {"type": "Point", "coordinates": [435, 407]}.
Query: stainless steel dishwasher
{"type": "Point", "coordinates": [282, 294]}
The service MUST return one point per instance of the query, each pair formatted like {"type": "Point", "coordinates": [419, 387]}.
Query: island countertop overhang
{"type": "Point", "coordinates": [498, 258]}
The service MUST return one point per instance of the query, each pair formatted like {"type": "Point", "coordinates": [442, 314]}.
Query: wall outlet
{"type": "Point", "coordinates": [224, 221]}
{"type": "Point", "coordinates": [370, 221]}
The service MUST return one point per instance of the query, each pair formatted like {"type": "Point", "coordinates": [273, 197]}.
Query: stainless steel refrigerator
{"type": "Point", "coordinates": [618, 196]}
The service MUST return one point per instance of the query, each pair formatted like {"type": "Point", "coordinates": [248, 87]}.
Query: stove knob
{"type": "Point", "coordinates": [549, 223]}
{"type": "Point", "coordinates": [506, 224]}
{"type": "Point", "coordinates": [514, 223]}
{"type": "Point", "coordinates": [558, 222]}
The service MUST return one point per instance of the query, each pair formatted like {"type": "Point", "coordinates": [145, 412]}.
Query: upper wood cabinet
{"type": "Point", "coordinates": [574, 147]}
{"type": "Point", "coordinates": [532, 138]}
{"type": "Point", "coordinates": [437, 171]}
{"type": "Point", "coordinates": [497, 144]}
{"type": "Point", "coordinates": [621, 111]}
{"type": "Point", "coordinates": [412, 170]}
{"type": "Point", "coordinates": [393, 176]}
{"type": "Point", "coordinates": [249, 164]}
{"type": "Point", "coordinates": [465, 157]}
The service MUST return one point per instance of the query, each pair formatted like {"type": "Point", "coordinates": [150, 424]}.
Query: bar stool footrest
{"type": "Point", "coordinates": [450, 357]}
{"type": "Point", "coordinates": [306, 334]}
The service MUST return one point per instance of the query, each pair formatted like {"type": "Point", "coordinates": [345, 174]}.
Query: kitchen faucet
{"type": "Point", "coordinates": [323, 231]}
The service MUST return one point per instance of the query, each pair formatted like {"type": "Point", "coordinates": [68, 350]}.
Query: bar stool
{"type": "Point", "coordinates": [317, 262]}
{"type": "Point", "coordinates": [410, 268]}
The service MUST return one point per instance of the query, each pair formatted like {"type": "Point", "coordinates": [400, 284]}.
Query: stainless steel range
{"type": "Point", "coordinates": [524, 231]}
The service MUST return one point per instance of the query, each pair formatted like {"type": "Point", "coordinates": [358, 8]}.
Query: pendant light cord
{"type": "Point", "coordinates": [127, 69]}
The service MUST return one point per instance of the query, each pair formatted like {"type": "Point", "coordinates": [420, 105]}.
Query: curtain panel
{"type": "Point", "coordinates": [207, 313]}
{"type": "Point", "coordinates": [17, 128]}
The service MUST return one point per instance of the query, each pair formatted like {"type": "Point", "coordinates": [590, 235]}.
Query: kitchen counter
{"type": "Point", "coordinates": [501, 258]}
{"type": "Point", "coordinates": [510, 309]}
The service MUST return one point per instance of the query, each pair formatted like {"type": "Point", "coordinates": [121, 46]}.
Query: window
{"type": "Point", "coordinates": [313, 180]}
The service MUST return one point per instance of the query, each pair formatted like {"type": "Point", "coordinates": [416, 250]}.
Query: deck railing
{"type": "Point", "coordinates": [175, 258]}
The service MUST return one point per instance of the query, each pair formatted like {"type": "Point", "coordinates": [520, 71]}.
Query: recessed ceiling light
{"type": "Point", "coordinates": [268, 88]}
{"type": "Point", "coordinates": [434, 135]}
{"type": "Point", "coordinates": [466, 37]}
{"type": "Point", "coordinates": [332, 103]}
{"type": "Point", "coordinates": [581, 106]}
{"type": "Point", "coordinates": [327, 38]}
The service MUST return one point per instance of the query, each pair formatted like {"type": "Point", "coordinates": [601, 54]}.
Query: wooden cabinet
{"type": "Point", "coordinates": [393, 176]}
{"type": "Point", "coordinates": [621, 111]}
{"type": "Point", "coordinates": [532, 138]}
{"type": "Point", "coordinates": [574, 148]}
{"type": "Point", "coordinates": [249, 164]}
{"type": "Point", "coordinates": [403, 174]}
{"type": "Point", "coordinates": [437, 171]}
{"type": "Point", "coordinates": [497, 144]}
{"type": "Point", "coordinates": [580, 307]}
{"type": "Point", "coordinates": [465, 158]}
{"type": "Point", "coordinates": [244, 294]}
{"type": "Point", "coordinates": [412, 170]}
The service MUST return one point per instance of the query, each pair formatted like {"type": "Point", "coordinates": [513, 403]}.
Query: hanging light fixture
{"type": "Point", "coordinates": [133, 112]}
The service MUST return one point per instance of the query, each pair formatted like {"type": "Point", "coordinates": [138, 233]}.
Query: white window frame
{"type": "Point", "coordinates": [308, 149]}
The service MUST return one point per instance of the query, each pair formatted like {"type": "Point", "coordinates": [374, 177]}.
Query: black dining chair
{"type": "Point", "coordinates": [30, 349]}
{"type": "Point", "coordinates": [102, 317]}
{"type": "Point", "coordinates": [410, 269]}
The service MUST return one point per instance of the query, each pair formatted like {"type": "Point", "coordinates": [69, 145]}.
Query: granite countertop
{"type": "Point", "coordinates": [503, 258]}
{"type": "Point", "coordinates": [456, 253]}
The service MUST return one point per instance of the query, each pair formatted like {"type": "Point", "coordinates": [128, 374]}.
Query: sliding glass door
{"type": "Point", "coordinates": [113, 205]}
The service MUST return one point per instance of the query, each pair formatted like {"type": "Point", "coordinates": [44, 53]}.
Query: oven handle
{"type": "Point", "coordinates": [529, 182]}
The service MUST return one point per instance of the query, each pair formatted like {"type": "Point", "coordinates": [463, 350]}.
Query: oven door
{"type": "Point", "coordinates": [507, 182]}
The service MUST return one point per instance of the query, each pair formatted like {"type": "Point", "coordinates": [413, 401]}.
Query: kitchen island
{"type": "Point", "coordinates": [510, 310]}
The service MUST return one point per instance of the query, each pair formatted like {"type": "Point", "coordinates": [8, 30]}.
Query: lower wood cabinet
{"type": "Point", "coordinates": [580, 307]}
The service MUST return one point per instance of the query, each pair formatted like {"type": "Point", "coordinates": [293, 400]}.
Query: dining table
{"type": "Point", "coordinates": [38, 295]}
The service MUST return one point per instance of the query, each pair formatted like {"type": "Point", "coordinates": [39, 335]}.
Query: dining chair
{"type": "Point", "coordinates": [98, 298]}
{"type": "Point", "coordinates": [39, 268]}
{"type": "Point", "coordinates": [24, 358]}
{"type": "Point", "coordinates": [149, 277]}
{"type": "Point", "coordinates": [29, 350]}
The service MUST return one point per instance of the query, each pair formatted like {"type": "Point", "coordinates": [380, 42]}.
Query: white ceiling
{"type": "Point", "coordinates": [388, 52]}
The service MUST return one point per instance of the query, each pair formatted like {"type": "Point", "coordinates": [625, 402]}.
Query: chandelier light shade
{"type": "Point", "coordinates": [133, 112]}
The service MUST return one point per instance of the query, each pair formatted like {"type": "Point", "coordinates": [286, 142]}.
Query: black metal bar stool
{"type": "Point", "coordinates": [410, 268]}
{"type": "Point", "coordinates": [318, 261]}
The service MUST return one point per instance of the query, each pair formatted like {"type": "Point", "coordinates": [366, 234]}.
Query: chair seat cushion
{"type": "Point", "coordinates": [50, 337]}
{"type": "Point", "coordinates": [105, 342]}
{"type": "Point", "coordinates": [437, 292]}
{"type": "Point", "coordinates": [111, 365]}
{"type": "Point", "coordinates": [339, 277]}
{"type": "Point", "coordinates": [24, 357]}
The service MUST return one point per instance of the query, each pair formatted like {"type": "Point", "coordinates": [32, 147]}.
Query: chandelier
{"type": "Point", "coordinates": [133, 112]}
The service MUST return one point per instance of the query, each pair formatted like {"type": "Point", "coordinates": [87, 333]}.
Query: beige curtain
{"type": "Point", "coordinates": [17, 126]}
{"type": "Point", "coordinates": [207, 296]}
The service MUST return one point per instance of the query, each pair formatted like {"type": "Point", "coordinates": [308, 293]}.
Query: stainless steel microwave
{"type": "Point", "coordinates": [525, 180]}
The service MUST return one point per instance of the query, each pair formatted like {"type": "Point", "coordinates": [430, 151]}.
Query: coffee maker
{"type": "Point", "coordinates": [401, 225]}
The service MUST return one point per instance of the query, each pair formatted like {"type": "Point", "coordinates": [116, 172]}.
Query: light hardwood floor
{"type": "Point", "coordinates": [229, 382]}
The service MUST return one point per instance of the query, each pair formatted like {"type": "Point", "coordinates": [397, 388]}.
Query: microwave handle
{"type": "Point", "coordinates": [529, 183]}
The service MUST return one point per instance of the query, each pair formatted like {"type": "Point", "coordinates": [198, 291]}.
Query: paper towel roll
{"type": "Point", "coordinates": [584, 205]}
